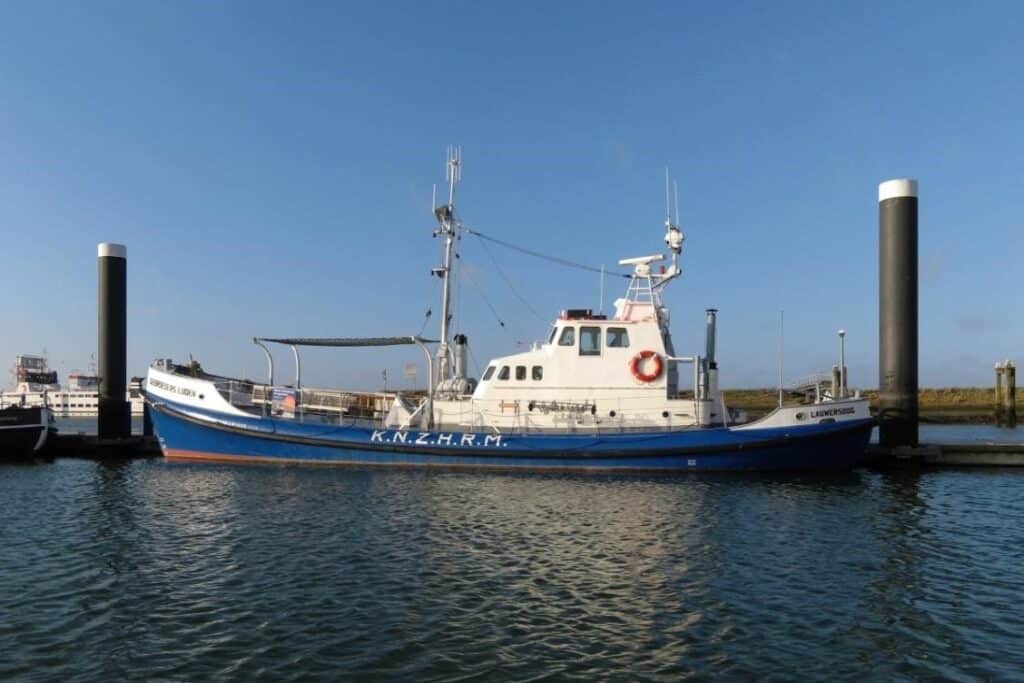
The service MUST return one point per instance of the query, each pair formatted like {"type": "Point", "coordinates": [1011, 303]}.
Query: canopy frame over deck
{"type": "Point", "coordinates": [350, 342]}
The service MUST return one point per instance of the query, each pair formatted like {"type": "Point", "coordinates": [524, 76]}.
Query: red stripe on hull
{"type": "Point", "coordinates": [174, 454]}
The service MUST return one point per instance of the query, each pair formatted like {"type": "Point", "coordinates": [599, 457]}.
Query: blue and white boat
{"type": "Point", "coordinates": [603, 393]}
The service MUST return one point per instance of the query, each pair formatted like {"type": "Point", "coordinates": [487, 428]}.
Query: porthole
{"type": "Point", "coordinates": [664, 413]}
{"type": "Point", "coordinates": [611, 413]}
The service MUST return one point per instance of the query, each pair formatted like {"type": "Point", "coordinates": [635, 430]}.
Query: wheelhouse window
{"type": "Point", "coordinates": [590, 341]}
{"type": "Point", "coordinates": [503, 374]}
{"type": "Point", "coordinates": [488, 374]}
{"type": "Point", "coordinates": [538, 372]}
{"type": "Point", "coordinates": [520, 372]}
{"type": "Point", "coordinates": [617, 338]}
{"type": "Point", "coordinates": [568, 337]}
{"type": "Point", "coordinates": [551, 337]}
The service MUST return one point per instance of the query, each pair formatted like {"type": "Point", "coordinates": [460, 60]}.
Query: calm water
{"type": "Point", "coordinates": [970, 434]}
{"type": "Point", "coordinates": [156, 570]}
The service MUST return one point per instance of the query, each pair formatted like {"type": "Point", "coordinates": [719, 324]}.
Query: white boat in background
{"type": "Point", "coordinates": [38, 386]}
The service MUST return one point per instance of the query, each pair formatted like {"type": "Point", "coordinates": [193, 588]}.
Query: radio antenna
{"type": "Point", "coordinates": [675, 186]}
{"type": "Point", "coordinates": [454, 171]}
{"type": "Point", "coordinates": [673, 235]}
{"type": "Point", "coordinates": [668, 209]}
{"type": "Point", "coordinates": [782, 338]}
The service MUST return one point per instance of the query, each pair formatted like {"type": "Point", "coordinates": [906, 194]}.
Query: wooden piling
{"type": "Point", "coordinates": [999, 392]}
{"type": "Point", "coordinates": [1010, 392]}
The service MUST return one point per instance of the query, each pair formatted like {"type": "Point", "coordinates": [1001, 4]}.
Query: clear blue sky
{"type": "Point", "coordinates": [270, 168]}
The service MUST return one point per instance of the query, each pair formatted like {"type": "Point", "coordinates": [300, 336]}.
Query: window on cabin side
{"type": "Point", "coordinates": [568, 337]}
{"type": "Point", "coordinates": [590, 341]}
{"type": "Point", "coordinates": [488, 374]}
{"type": "Point", "coordinates": [551, 337]}
{"type": "Point", "coordinates": [520, 372]}
{"type": "Point", "coordinates": [617, 338]}
{"type": "Point", "coordinates": [504, 372]}
{"type": "Point", "coordinates": [538, 372]}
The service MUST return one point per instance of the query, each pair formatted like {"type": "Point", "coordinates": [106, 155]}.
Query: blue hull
{"type": "Point", "coordinates": [195, 434]}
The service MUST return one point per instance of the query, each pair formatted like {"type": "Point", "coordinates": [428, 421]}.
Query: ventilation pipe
{"type": "Point", "coordinates": [709, 338]}
{"type": "Point", "coordinates": [710, 365]}
{"type": "Point", "coordinates": [461, 357]}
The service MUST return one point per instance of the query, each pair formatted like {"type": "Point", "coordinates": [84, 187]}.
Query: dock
{"type": "Point", "coordinates": [93, 447]}
{"type": "Point", "coordinates": [949, 455]}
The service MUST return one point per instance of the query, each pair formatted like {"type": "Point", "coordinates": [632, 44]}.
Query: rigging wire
{"type": "Point", "coordinates": [508, 282]}
{"type": "Point", "coordinates": [483, 296]}
{"type": "Point", "coordinates": [426, 319]}
{"type": "Point", "coordinates": [537, 254]}
{"type": "Point", "coordinates": [473, 356]}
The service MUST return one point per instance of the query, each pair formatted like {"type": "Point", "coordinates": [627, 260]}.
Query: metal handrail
{"type": "Point", "coordinates": [270, 366]}
{"type": "Point", "coordinates": [811, 380]}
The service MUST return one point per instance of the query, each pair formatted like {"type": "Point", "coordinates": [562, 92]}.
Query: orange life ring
{"type": "Point", "coordinates": [634, 366]}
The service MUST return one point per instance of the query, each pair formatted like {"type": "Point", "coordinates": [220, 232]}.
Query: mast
{"type": "Point", "coordinates": [446, 228]}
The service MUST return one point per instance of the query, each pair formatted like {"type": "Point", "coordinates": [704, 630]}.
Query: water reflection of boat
{"type": "Point", "coordinates": [602, 393]}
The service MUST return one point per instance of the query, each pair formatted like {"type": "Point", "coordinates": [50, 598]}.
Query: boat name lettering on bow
{"type": "Point", "coordinates": [174, 389]}
{"type": "Point", "coordinates": [439, 439]}
{"type": "Point", "coordinates": [828, 412]}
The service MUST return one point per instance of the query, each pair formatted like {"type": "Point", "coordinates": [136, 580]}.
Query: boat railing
{"type": "Point", "coordinates": [806, 382]}
{"type": "Point", "coordinates": [18, 398]}
{"type": "Point", "coordinates": [238, 393]}
{"type": "Point", "coordinates": [330, 405]}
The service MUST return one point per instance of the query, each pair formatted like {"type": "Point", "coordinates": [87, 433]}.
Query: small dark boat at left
{"type": "Point", "coordinates": [23, 430]}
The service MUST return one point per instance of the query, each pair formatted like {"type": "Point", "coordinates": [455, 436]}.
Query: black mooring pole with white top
{"type": "Point", "coordinates": [115, 420]}
{"type": "Point", "coordinates": [897, 313]}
